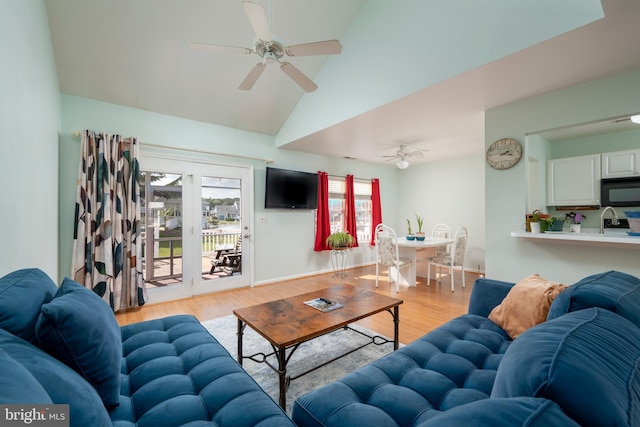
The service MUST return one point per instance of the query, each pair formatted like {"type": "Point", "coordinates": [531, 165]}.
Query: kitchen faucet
{"type": "Point", "coordinates": [614, 221]}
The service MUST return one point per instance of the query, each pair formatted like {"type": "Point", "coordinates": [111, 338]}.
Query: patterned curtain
{"type": "Point", "coordinates": [106, 236]}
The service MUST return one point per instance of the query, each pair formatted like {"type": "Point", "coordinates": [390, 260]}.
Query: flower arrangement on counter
{"type": "Point", "coordinates": [574, 218]}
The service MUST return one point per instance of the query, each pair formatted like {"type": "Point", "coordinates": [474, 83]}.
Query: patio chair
{"type": "Point", "coordinates": [228, 261]}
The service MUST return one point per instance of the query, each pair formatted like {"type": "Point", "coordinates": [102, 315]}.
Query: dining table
{"type": "Point", "coordinates": [410, 249]}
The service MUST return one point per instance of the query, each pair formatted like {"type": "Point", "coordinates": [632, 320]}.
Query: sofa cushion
{"type": "Point", "coordinates": [17, 385]}
{"type": "Point", "coordinates": [586, 361]}
{"type": "Point", "coordinates": [613, 290]}
{"type": "Point", "coordinates": [526, 305]}
{"type": "Point", "coordinates": [450, 366]}
{"type": "Point", "coordinates": [22, 293]}
{"type": "Point", "coordinates": [512, 412]}
{"type": "Point", "coordinates": [175, 373]}
{"type": "Point", "coordinates": [61, 383]}
{"type": "Point", "coordinates": [78, 328]}
{"type": "Point", "coordinates": [487, 294]}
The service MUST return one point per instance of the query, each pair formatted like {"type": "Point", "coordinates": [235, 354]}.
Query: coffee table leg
{"type": "Point", "coordinates": [240, 330]}
{"type": "Point", "coordinates": [396, 327]}
{"type": "Point", "coordinates": [282, 373]}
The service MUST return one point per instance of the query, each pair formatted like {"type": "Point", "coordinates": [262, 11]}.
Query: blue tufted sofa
{"type": "Point", "coordinates": [580, 367]}
{"type": "Point", "coordinates": [62, 345]}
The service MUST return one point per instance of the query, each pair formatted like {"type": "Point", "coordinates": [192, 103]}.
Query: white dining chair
{"type": "Point", "coordinates": [440, 231]}
{"type": "Point", "coordinates": [453, 259]}
{"type": "Point", "coordinates": [387, 253]}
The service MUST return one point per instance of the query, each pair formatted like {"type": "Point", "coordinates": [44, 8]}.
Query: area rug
{"type": "Point", "coordinates": [307, 356]}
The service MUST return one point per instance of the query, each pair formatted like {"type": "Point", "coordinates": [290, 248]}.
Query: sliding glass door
{"type": "Point", "coordinates": [197, 236]}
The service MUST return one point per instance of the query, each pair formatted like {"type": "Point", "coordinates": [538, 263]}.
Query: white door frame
{"type": "Point", "coordinates": [191, 171]}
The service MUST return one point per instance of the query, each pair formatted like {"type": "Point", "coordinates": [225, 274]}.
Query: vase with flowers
{"type": "Point", "coordinates": [574, 219]}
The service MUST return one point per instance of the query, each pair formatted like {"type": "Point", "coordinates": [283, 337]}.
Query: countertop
{"type": "Point", "coordinates": [587, 237]}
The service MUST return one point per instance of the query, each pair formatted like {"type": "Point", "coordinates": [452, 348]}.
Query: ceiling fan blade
{"type": "Point", "coordinates": [252, 77]}
{"type": "Point", "coordinates": [327, 47]}
{"type": "Point", "coordinates": [220, 48]}
{"type": "Point", "coordinates": [258, 19]}
{"type": "Point", "coordinates": [415, 154]}
{"type": "Point", "coordinates": [298, 77]}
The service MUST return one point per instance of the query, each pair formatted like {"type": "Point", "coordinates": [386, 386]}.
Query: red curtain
{"type": "Point", "coordinates": [376, 208]}
{"type": "Point", "coordinates": [323, 223]}
{"type": "Point", "coordinates": [350, 211]}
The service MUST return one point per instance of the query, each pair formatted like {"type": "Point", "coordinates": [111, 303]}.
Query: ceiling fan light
{"type": "Point", "coordinates": [402, 164]}
{"type": "Point", "coordinates": [636, 118]}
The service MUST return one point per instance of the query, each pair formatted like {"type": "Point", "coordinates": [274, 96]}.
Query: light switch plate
{"type": "Point", "coordinates": [262, 218]}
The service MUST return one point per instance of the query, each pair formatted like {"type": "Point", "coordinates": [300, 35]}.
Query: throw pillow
{"type": "Point", "coordinates": [78, 328]}
{"type": "Point", "coordinates": [526, 305]}
{"type": "Point", "coordinates": [22, 293]}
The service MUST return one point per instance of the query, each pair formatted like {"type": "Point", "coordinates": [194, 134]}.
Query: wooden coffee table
{"type": "Point", "coordinates": [288, 322]}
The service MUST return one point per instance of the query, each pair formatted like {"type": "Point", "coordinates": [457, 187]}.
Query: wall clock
{"type": "Point", "coordinates": [504, 153]}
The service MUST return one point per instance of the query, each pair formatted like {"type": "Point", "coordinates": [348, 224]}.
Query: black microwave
{"type": "Point", "coordinates": [620, 191]}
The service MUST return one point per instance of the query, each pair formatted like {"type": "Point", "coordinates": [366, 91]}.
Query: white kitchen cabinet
{"type": "Point", "coordinates": [573, 181]}
{"type": "Point", "coordinates": [619, 164]}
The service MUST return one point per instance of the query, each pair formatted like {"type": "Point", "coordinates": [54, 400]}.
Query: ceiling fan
{"type": "Point", "coordinates": [271, 50]}
{"type": "Point", "coordinates": [403, 154]}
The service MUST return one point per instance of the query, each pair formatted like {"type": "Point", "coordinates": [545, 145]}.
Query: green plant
{"type": "Point", "coordinates": [340, 239]}
{"type": "Point", "coordinates": [419, 220]}
{"type": "Point", "coordinates": [409, 226]}
{"type": "Point", "coordinates": [546, 223]}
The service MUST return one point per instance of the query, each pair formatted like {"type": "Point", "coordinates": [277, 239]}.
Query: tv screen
{"type": "Point", "coordinates": [288, 189]}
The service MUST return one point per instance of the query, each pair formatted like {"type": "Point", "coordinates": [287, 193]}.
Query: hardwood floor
{"type": "Point", "coordinates": [424, 308]}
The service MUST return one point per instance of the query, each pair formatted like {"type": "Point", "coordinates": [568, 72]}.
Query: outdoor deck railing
{"type": "Point", "coordinates": [211, 241]}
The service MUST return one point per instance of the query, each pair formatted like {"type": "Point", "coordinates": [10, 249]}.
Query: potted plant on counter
{"type": "Point", "coordinates": [542, 221]}
{"type": "Point", "coordinates": [420, 234]}
{"type": "Point", "coordinates": [410, 235]}
{"type": "Point", "coordinates": [574, 219]}
{"type": "Point", "coordinates": [340, 240]}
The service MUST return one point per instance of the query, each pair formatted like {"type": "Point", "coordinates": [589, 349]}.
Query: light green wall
{"type": "Point", "coordinates": [400, 47]}
{"type": "Point", "coordinates": [450, 192]}
{"type": "Point", "coordinates": [618, 141]}
{"type": "Point", "coordinates": [29, 123]}
{"type": "Point", "coordinates": [273, 259]}
{"type": "Point", "coordinates": [508, 258]}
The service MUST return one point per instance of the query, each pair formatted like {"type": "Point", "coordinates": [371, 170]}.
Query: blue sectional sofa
{"type": "Point", "coordinates": [580, 367]}
{"type": "Point", "coordinates": [62, 345]}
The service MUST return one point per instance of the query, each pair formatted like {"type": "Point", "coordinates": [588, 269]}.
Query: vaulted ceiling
{"type": "Point", "coordinates": [420, 72]}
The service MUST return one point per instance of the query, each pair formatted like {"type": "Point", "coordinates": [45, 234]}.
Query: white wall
{"type": "Point", "coordinates": [509, 258]}
{"type": "Point", "coordinates": [451, 192]}
{"type": "Point", "coordinates": [273, 258]}
{"type": "Point", "coordinates": [29, 123]}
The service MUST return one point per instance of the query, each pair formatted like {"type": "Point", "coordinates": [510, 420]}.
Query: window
{"type": "Point", "coordinates": [337, 200]}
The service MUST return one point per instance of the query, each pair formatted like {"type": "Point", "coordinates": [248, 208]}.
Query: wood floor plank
{"type": "Point", "coordinates": [424, 308]}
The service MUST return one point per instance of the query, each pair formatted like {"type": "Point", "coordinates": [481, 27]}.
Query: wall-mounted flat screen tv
{"type": "Point", "coordinates": [289, 189]}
